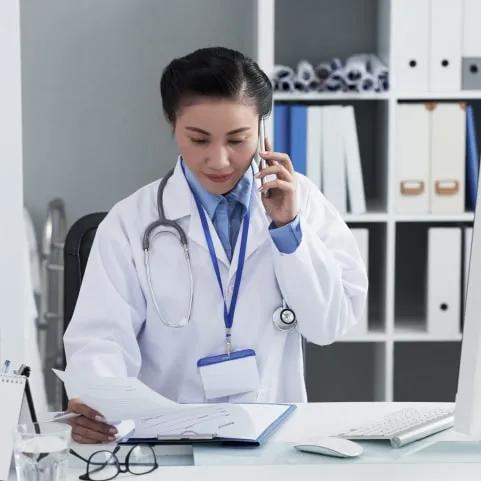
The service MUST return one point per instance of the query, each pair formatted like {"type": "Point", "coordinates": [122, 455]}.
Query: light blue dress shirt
{"type": "Point", "coordinates": [226, 213]}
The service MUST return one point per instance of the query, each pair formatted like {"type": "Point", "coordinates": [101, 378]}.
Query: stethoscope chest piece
{"type": "Point", "coordinates": [284, 318]}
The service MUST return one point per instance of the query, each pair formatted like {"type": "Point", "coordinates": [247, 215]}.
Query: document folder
{"type": "Point", "coordinates": [267, 418]}
{"type": "Point", "coordinates": [471, 54]}
{"type": "Point", "coordinates": [444, 281]}
{"type": "Point", "coordinates": [297, 139]}
{"type": "Point", "coordinates": [446, 40]}
{"type": "Point", "coordinates": [281, 128]}
{"type": "Point", "coordinates": [314, 145]}
{"type": "Point", "coordinates": [448, 158]}
{"type": "Point", "coordinates": [472, 159]}
{"type": "Point", "coordinates": [411, 27]}
{"type": "Point", "coordinates": [413, 158]}
{"type": "Point", "coordinates": [333, 162]}
{"type": "Point", "coordinates": [355, 183]}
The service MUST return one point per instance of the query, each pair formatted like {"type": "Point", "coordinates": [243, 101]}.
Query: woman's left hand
{"type": "Point", "coordinates": [281, 205]}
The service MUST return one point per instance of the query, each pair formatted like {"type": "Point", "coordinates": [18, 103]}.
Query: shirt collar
{"type": "Point", "coordinates": [240, 193]}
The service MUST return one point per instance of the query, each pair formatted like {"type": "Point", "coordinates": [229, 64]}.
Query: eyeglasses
{"type": "Point", "coordinates": [104, 465]}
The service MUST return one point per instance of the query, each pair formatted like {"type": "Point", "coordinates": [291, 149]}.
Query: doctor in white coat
{"type": "Point", "coordinates": [251, 255]}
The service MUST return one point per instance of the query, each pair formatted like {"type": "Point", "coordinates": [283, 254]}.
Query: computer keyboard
{"type": "Point", "coordinates": [405, 426]}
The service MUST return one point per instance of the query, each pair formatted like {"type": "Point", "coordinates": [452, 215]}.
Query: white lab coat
{"type": "Point", "coordinates": [115, 329]}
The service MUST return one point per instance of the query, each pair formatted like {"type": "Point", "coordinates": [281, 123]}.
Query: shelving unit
{"type": "Point", "coordinates": [397, 335]}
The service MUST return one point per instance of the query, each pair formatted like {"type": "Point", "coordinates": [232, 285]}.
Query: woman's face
{"type": "Point", "coordinates": [217, 139]}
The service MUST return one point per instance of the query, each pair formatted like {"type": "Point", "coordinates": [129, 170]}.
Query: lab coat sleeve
{"type": "Point", "coordinates": [324, 280]}
{"type": "Point", "coordinates": [110, 310]}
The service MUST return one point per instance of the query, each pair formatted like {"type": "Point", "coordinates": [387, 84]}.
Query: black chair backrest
{"type": "Point", "coordinates": [76, 252]}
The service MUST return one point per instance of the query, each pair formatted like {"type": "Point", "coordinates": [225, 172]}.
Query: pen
{"type": "Point", "coordinates": [64, 416]}
{"type": "Point", "coordinates": [5, 367]}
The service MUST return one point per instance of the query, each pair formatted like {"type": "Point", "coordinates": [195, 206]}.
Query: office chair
{"type": "Point", "coordinates": [76, 252]}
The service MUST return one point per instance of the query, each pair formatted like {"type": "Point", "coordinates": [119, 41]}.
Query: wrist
{"type": "Point", "coordinates": [276, 224]}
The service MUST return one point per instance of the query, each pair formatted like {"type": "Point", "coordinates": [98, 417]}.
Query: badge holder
{"type": "Point", "coordinates": [229, 374]}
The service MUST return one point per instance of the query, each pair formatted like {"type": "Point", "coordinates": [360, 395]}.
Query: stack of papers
{"type": "Point", "coordinates": [155, 416]}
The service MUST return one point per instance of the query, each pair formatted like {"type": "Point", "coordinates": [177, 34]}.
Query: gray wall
{"type": "Point", "coordinates": [93, 125]}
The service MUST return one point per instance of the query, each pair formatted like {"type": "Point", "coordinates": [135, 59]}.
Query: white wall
{"type": "Point", "coordinates": [93, 125]}
{"type": "Point", "coordinates": [12, 274]}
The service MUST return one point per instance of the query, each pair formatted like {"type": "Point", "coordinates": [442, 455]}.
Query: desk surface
{"type": "Point", "coordinates": [322, 419]}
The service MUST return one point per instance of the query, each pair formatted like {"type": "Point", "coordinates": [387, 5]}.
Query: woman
{"type": "Point", "coordinates": [251, 254]}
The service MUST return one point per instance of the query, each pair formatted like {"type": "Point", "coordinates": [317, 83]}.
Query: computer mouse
{"type": "Point", "coordinates": [331, 446]}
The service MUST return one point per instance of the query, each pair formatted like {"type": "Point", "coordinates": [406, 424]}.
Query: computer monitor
{"type": "Point", "coordinates": [468, 398]}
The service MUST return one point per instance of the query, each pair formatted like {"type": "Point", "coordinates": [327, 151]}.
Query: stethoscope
{"type": "Point", "coordinates": [283, 317]}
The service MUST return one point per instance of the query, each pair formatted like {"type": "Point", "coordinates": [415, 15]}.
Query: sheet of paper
{"type": "Point", "coordinates": [263, 415]}
{"type": "Point", "coordinates": [117, 399]}
{"type": "Point", "coordinates": [219, 420]}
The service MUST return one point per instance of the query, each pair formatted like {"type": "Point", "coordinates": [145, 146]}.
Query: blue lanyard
{"type": "Point", "coordinates": [228, 313]}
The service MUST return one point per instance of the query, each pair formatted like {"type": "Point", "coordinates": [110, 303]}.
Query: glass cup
{"type": "Point", "coordinates": [41, 451]}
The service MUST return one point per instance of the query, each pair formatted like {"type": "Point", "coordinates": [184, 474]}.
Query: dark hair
{"type": "Point", "coordinates": [214, 72]}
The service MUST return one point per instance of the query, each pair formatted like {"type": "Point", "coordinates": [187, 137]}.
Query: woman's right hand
{"type": "Point", "coordinates": [90, 427]}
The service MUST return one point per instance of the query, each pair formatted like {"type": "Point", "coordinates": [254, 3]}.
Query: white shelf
{"type": "Point", "coordinates": [463, 217]}
{"type": "Point", "coordinates": [370, 337]}
{"type": "Point", "coordinates": [414, 330]}
{"type": "Point", "coordinates": [375, 334]}
{"type": "Point", "coordinates": [328, 96]}
{"type": "Point", "coordinates": [385, 221]}
{"type": "Point", "coordinates": [461, 95]}
{"type": "Point", "coordinates": [367, 217]}
{"type": "Point", "coordinates": [383, 216]}
{"type": "Point", "coordinates": [424, 337]}
{"type": "Point", "coordinates": [351, 96]}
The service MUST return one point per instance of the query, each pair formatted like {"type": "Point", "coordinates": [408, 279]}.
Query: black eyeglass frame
{"type": "Point", "coordinates": [118, 464]}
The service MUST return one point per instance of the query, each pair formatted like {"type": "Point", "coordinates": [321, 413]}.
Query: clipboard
{"type": "Point", "coordinates": [192, 437]}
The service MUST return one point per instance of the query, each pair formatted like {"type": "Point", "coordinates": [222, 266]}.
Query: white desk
{"type": "Point", "coordinates": [321, 419]}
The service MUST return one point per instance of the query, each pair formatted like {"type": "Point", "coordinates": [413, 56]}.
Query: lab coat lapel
{"type": "Point", "coordinates": [179, 202]}
{"type": "Point", "coordinates": [258, 231]}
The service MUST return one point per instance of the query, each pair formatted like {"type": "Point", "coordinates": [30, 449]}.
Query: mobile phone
{"type": "Point", "coordinates": [261, 147]}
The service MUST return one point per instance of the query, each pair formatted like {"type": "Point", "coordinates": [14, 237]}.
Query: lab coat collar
{"type": "Point", "coordinates": [179, 202]}
{"type": "Point", "coordinates": [177, 195]}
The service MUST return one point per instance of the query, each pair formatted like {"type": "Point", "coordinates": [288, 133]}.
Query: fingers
{"type": "Point", "coordinates": [267, 143]}
{"type": "Point", "coordinates": [85, 435]}
{"type": "Point", "coordinates": [96, 426]}
{"type": "Point", "coordinates": [279, 170]}
{"type": "Point", "coordinates": [278, 184]}
{"type": "Point", "coordinates": [90, 426]}
{"type": "Point", "coordinates": [82, 440]}
{"type": "Point", "coordinates": [77, 406]}
{"type": "Point", "coordinates": [280, 157]}
{"type": "Point", "coordinates": [91, 431]}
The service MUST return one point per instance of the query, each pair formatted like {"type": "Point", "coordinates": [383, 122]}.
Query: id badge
{"type": "Point", "coordinates": [229, 374]}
